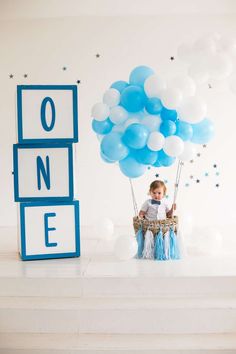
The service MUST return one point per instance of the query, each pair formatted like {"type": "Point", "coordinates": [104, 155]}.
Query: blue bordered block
{"type": "Point", "coordinates": [49, 230]}
{"type": "Point", "coordinates": [47, 112]}
{"type": "Point", "coordinates": [43, 172]}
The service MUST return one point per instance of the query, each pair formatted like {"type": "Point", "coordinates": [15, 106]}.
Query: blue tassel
{"type": "Point", "coordinates": [140, 241]}
{"type": "Point", "coordinates": [174, 247]}
{"type": "Point", "coordinates": [159, 252]}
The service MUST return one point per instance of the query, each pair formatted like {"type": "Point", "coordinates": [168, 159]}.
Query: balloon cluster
{"type": "Point", "coordinates": [147, 122]}
{"type": "Point", "coordinates": [210, 59]}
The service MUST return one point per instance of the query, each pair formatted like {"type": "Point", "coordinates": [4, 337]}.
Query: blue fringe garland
{"type": "Point", "coordinates": [140, 241]}
{"type": "Point", "coordinates": [174, 247]}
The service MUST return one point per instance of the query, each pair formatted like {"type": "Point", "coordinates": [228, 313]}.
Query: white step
{"type": "Point", "coordinates": [118, 315]}
{"type": "Point", "coordinates": [20, 343]}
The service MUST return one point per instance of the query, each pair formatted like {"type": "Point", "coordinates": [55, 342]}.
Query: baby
{"type": "Point", "coordinates": [157, 207]}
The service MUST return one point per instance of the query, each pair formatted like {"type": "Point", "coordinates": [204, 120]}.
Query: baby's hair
{"type": "Point", "coordinates": [157, 184]}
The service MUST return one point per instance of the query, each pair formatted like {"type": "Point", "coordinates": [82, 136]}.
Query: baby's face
{"type": "Point", "coordinates": [157, 193]}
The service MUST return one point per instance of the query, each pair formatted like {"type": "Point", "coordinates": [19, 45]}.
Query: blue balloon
{"type": "Point", "coordinates": [113, 148]}
{"type": "Point", "coordinates": [168, 128]}
{"type": "Point", "coordinates": [131, 168]}
{"type": "Point", "coordinates": [139, 74]}
{"type": "Point", "coordinates": [146, 156]}
{"type": "Point", "coordinates": [119, 85]}
{"type": "Point", "coordinates": [105, 159]}
{"type": "Point", "coordinates": [157, 163]}
{"type": "Point", "coordinates": [164, 159]}
{"type": "Point", "coordinates": [135, 136]}
{"type": "Point", "coordinates": [133, 98]}
{"type": "Point", "coordinates": [184, 130]}
{"type": "Point", "coordinates": [203, 132]}
{"type": "Point", "coordinates": [102, 127]}
{"type": "Point", "coordinates": [168, 114]}
{"type": "Point", "coordinates": [153, 105]}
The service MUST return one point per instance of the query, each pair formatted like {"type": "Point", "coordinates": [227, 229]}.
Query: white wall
{"type": "Point", "coordinates": [41, 47]}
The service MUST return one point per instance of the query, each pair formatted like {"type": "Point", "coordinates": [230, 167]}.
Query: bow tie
{"type": "Point", "coordinates": [153, 201]}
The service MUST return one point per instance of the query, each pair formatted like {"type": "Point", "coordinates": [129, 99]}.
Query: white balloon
{"type": "Point", "coordinates": [156, 141]}
{"type": "Point", "coordinates": [171, 98]}
{"type": "Point", "coordinates": [186, 222]}
{"type": "Point", "coordinates": [173, 146]}
{"type": "Point", "coordinates": [119, 128]}
{"type": "Point", "coordinates": [192, 110]}
{"type": "Point", "coordinates": [184, 52]}
{"type": "Point", "coordinates": [111, 97]}
{"type": "Point", "coordinates": [100, 111]}
{"type": "Point", "coordinates": [204, 46]}
{"type": "Point", "coordinates": [219, 66]}
{"type": "Point", "coordinates": [103, 229]}
{"type": "Point", "coordinates": [185, 84]}
{"type": "Point", "coordinates": [205, 241]}
{"type": "Point", "coordinates": [125, 247]}
{"type": "Point", "coordinates": [131, 121]}
{"type": "Point", "coordinates": [154, 85]}
{"type": "Point", "coordinates": [118, 115]}
{"type": "Point", "coordinates": [227, 44]}
{"type": "Point", "coordinates": [198, 72]}
{"type": "Point", "coordinates": [189, 152]}
{"type": "Point", "coordinates": [152, 122]}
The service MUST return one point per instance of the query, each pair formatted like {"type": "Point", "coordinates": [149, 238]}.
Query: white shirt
{"type": "Point", "coordinates": [155, 211]}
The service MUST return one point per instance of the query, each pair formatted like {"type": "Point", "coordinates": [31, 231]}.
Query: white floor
{"type": "Point", "coordinates": [98, 304]}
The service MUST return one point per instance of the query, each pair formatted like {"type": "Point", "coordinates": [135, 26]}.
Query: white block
{"type": "Point", "coordinates": [47, 113]}
{"type": "Point", "coordinates": [49, 230]}
{"type": "Point", "coordinates": [43, 172]}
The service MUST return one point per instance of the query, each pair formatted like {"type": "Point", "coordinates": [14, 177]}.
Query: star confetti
{"type": "Point", "coordinates": [217, 185]}
{"type": "Point", "coordinates": [25, 75]}
{"type": "Point", "coordinates": [198, 180]}
{"type": "Point", "coordinates": [198, 154]}
{"type": "Point", "coordinates": [217, 173]}
{"type": "Point", "coordinates": [172, 58]}
{"type": "Point", "coordinates": [78, 81]}
{"type": "Point", "coordinates": [165, 181]}
{"type": "Point", "coordinates": [206, 174]}
{"type": "Point", "coordinates": [204, 145]}
{"type": "Point", "coordinates": [186, 184]}
{"type": "Point", "coordinates": [191, 161]}
{"type": "Point", "coordinates": [191, 177]}
{"type": "Point", "coordinates": [11, 76]}
{"type": "Point", "coordinates": [157, 175]}
{"type": "Point", "coordinates": [97, 55]}
{"type": "Point", "coordinates": [214, 165]}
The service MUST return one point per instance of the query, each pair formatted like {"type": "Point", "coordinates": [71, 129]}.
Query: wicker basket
{"type": "Point", "coordinates": [155, 225]}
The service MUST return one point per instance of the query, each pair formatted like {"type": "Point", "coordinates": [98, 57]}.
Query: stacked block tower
{"type": "Point", "coordinates": [48, 215]}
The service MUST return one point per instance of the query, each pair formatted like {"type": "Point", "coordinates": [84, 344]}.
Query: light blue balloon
{"type": "Point", "coordinates": [168, 114]}
{"type": "Point", "coordinates": [133, 98]}
{"type": "Point", "coordinates": [105, 159]}
{"type": "Point", "coordinates": [131, 168]}
{"type": "Point", "coordinates": [139, 74]}
{"type": "Point", "coordinates": [113, 148]}
{"type": "Point", "coordinates": [168, 127]}
{"type": "Point", "coordinates": [146, 156]}
{"type": "Point", "coordinates": [164, 159]}
{"type": "Point", "coordinates": [102, 127]}
{"type": "Point", "coordinates": [184, 130]}
{"type": "Point", "coordinates": [203, 132]}
{"type": "Point", "coordinates": [119, 85]}
{"type": "Point", "coordinates": [153, 105]}
{"type": "Point", "coordinates": [135, 136]}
